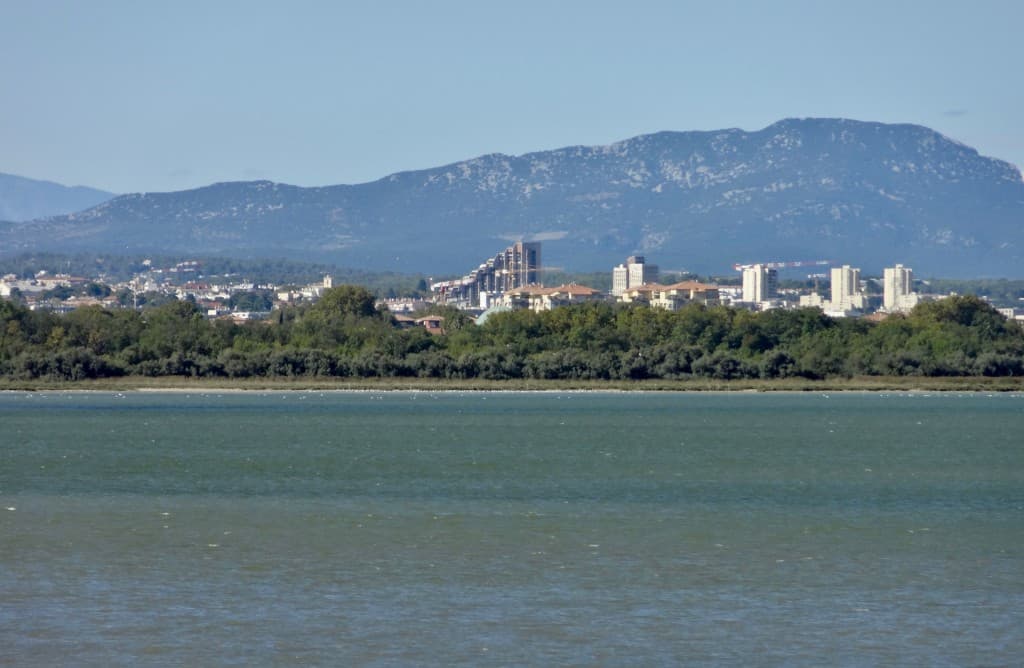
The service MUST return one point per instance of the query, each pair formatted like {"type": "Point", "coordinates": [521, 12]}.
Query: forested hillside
{"type": "Point", "coordinates": [344, 335]}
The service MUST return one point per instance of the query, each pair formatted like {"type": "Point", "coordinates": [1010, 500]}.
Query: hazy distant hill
{"type": "Point", "coordinates": [26, 199]}
{"type": "Point", "coordinates": [868, 194]}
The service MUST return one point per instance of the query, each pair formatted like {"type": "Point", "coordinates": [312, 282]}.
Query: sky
{"type": "Point", "coordinates": [132, 96]}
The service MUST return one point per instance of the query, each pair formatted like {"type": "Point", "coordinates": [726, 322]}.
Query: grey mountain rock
{"type": "Point", "coordinates": [24, 199]}
{"type": "Point", "coordinates": [866, 194]}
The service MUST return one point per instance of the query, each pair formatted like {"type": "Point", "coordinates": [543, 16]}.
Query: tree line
{"type": "Point", "coordinates": [345, 335]}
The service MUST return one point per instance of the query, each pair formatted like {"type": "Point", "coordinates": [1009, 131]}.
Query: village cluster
{"type": "Point", "coordinates": [512, 279]}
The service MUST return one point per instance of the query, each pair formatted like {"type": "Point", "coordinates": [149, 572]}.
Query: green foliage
{"type": "Point", "coordinates": [344, 335]}
{"type": "Point", "coordinates": [256, 300]}
{"type": "Point", "coordinates": [61, 292]}
{"type": "Point", "coordinates": [346, 300]}
{"type": "Point", "coordinates": [998, 291]}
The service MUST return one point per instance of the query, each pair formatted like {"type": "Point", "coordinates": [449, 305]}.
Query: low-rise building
{"type": "Point", "coordinates": [641, 294]}
{"type": "Point", "coordinates": [813, 300]}
{"type": "Point", "coordinates": [675, 296]}
{"type": "Point", "coordinates": [403, 305]}
{"type": "Point", "coordinates": [564, 295]}
{"type": "Point", "coordinates": [1013, 314]}
{"type": "Point", "coordinates": [672, 297]}
{"type": "Point", "coordinates": [544, 299]}
{"type": "Point", "coordinates": [434, 324]}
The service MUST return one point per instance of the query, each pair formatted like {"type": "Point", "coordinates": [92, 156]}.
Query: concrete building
{"type": "Point", "coordinates": [812, 300]}
{"type": "Point", "coordinates": [634, 272]}
{"type": "Point", "coordinates": [760, 283]}
{"type": "Point", "coordinates": [402, 304]}
{"type": "Point", "coordinates": [41, 283]}
{"type": "Point", "coordinates": [517, 266]}
{"type": "Point", "coordinates": [544, 299]}
{"type": "Point", "coordinates": [620, 279]}
{"type": "Point", "coordinates": [434, 324]}
{"type": "Point", "coordinates": [675, 296]}
{"type": "Point", "coordinates": [898, 289]}
{"type": "Point", "coordinates": [1013, 314]}
{"type": "Point", "coordinates": [520, 264]}
{"type": "Point", "coordinates": [641, 294]}
{"type": "Point", "coordinates": [672, 297]}
{"type": "Point", "coordinates": [846, 293]}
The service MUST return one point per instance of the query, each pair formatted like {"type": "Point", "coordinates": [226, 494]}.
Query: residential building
{"type": "Point", "coordinates": [675, 296]}
{"type": "Point", "coordinates": [544, 299]}
{"type": "Point", "coordinates": [898, 289]}
{"type": "Point", "coordinates": [434, 324]}
{"type": "Point", "coordinates": [620, 279]}
{"type": "Point", "coordinates": [642, 294]}
{"type": "Point", "coordinates": [846, 293]}
{"type": "Point", "coordinates": [1013, 314]}
{"type": "Point", "coordinates": [403, 304]}
{"type": "Point", "coordinates": [634, 272]}
{"type": "Point", "coordinates": [813, 300]}
{"type": "Point", "coordinates": [517, 266]}
{"type": "Point", "coordinates": [760, 283]}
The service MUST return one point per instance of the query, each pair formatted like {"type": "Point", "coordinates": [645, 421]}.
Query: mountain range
{"type": "Point", "coordinates": [24, 199]}
{"type": "Point", "coordinates": [860, 193]}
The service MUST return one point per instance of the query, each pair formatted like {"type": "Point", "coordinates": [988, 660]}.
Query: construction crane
{"type": "Point", "coordinates": [783, 265]}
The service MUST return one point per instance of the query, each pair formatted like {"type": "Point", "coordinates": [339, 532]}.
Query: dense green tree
{"type": "Point", "coordinates": [97, 290]}
{"type": "Point", "coordinates": [345, 335]}
{"type": "Point", "coordinates": [61, 292]}
{"type": "Point", "coordinates": [346, 300]}
{"type": "Point", "coordinates": [256, 300]}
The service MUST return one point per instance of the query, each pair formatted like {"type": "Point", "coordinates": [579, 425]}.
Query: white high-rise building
{"type": "Point", "coordinates": [620, 279]}
{"type": "Point", "coordinates": [760, 283]}
{"type": "Point", "coordinates": [846, 292]}
{"type": "Point", "coordinates": [633, 273]}
{"type": "Point", "coordinates": [898, 289]}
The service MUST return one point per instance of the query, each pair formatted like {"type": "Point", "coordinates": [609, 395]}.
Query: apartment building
{"type": "Point", "coordinates": [898, 289]}
{"type": "Point", "coordinates": [517, 266]}
{"type": "Point", "coordinates": [634, 272]}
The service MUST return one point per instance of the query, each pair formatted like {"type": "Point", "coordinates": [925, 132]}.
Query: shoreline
{"type": "Point", "coordinates": [856, 384]}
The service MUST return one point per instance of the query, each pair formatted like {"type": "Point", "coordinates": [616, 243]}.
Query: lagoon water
{"type": "Point", "coordinates": [511, 529]}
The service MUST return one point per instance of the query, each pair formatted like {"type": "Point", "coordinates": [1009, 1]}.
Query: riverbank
{"type": "Point", "coordinates": [859, 384]}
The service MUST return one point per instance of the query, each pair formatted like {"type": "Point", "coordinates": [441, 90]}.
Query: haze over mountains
{"type": "Point", "coordinates": [24, 199]}
{"type": "Point", "coordinates": [866, 194]}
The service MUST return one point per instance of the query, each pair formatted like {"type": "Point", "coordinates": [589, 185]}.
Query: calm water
{"type": "Point", "coordinates": [511, 529]}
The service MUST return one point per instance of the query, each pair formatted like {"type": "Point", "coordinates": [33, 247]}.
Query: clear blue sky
{"type": "Point", "coordinates": [149, 96]}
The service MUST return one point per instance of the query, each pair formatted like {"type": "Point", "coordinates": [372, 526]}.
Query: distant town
{"type": "Point", "coordinates": [513, 279]}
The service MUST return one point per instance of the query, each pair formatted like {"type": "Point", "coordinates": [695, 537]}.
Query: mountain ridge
{"type": "Point", "coordinates": [23, 199]}
{"type": "Point", "coordinates": [858, 192]}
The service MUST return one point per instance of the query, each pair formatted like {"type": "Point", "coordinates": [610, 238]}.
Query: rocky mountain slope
{"type": "Point", "coordinates": [867, 194]}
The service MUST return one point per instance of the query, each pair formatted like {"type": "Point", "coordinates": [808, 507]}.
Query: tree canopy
{"type": "Point", "coordinates": [345, 335]}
